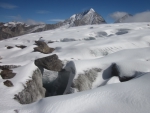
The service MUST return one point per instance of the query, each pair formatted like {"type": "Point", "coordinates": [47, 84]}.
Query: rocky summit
{"type": "Point", "coordinates": [87, 17]}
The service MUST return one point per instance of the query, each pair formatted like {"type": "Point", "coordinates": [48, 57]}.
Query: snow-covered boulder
{"type": "Point", "coordinates": [115, 71]}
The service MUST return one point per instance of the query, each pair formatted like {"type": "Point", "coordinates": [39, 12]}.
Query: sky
{"type": "Point", "coordinates": [52, 11]}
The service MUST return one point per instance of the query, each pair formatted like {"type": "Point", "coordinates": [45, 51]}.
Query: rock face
{"type": "Point", "coordinates": [7, 74]}
{"type": "Point", "coordinates": [51, 63]}
{"type": "Point", "coordinates": [8, 83]}
{"type": "Point", "coordinates": [88, 17]}
{"type": "Point", "coordinates": [43, 47]}
{"type": "Point", "coordinates": [33, 90]}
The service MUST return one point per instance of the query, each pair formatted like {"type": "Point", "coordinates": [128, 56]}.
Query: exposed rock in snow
{"type": "Point", "coordinates": [7, 67]}
{"type": "Point", "coordinates": [43, 47]}
{"type": "Point", "coordinates": [8, 83]}
{"type": "Point", "coordinates": [33, 89]}
{"type": "Point", "coordinates": [7, 74]}
{"type": "Point", "coordinates": [9, 47]}
{"type": "Point", "coordinates": [21, 46]}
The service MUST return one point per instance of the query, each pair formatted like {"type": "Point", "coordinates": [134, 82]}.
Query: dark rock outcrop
{"type": "Point", "coordinates": [50, 41]}
{"type": "Point", "coordinates": [43, 47]}
{"type": "Point", "coordinates": [8, 83]}
{"type": "Point", "coordinates": [51, 63]}
{"type": "Point", "coordinates": [7, 74]}
{"type": "Point", "coordinates": [7, 67]}
{"type": "Point", "coordinates": [33, 90]}
{"type": "Point", "coordinates": [9, 47]}
{"type": "Point", "coordinates": [21, 46]}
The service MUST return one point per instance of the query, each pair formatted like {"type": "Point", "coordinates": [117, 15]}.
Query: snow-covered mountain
{"type": "Point", "coordinates": [85, 69]}
{"type": "Point", "coordinates": [88, 17]}
{"type": "Point", "coordinates": [122, 19]}
{"type": "Point", "coordinates": [11, 29]}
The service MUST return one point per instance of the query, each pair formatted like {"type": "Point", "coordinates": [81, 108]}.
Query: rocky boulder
{"type": "Point", "coordinates": [50, 62]}
{"type": "Point", "coordinates": [21, 46]}
{"type": "Point", "coordinates": [9, 47]}
{"type": "Point", "coordinates": [43, 47]}
{"type": "Point", "coordinates": [7, 74]}
{"type": "Point", "coordinates": [8, 83]}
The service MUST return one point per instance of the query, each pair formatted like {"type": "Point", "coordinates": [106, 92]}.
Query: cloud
{"type": "Point", "coordinates": [27, 21]}
{"type": "Point", "coordinates": [139, 17]}
{"type": "Point", "coordinates": [117, 15]}
{"type": "Point", "coordinates": [56, 20]}
{"type": "Point", "coordinates": [7, 6]}
{"type": "Point", "coordinates": [42, 12]}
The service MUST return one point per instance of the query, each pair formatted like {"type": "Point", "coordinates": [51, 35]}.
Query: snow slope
{"type": "Point", "coordinates": [91, 46]}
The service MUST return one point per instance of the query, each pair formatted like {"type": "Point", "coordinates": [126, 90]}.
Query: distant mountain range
{"type": "Point", "coordinates": [88, 17]}
{"type": "Point", "coordinates": [12, 29]}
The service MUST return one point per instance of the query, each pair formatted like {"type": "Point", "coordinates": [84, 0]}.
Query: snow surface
{"type": "Point", "coordinates": [91, 46]}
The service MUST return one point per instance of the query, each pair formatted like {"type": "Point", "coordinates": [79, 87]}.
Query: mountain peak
{"type": "Point", "coordinates": [91, 9]}
{"type": "Point", "coordinates": [87, 17]}
{"type": "Point", "coordinates": [122, 19]}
